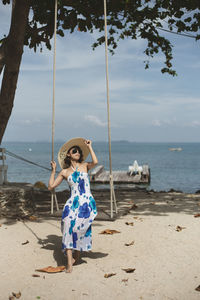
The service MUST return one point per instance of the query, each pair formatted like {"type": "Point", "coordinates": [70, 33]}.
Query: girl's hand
{"type": "Point", "coordinates": [88, 143]}
{"type": "Point", "coordinates": [53, 165]}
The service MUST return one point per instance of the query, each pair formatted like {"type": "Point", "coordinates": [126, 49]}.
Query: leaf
{"type": "Point", "coordinates": [51, 269]}
{"type": "Point", "coordinates": [109, 275]}
{"type": "Point", "coordinates": [35, 275]}
{"type": "Point", "coordinates": [134, 206]}
{"type": "Point", "coordinates": [60, 32]}
{"type": "Point", "coordinates": [124, 280]}
{"type": "Point", "coordinates": [129, 270]}
{"type": "Point", "coordinates": [129, 223]}
{"type": "Point", "coordinates": [109, 231]}
{"type": "Point", "coordinates": [129, 244]}
{"type": "Point", "coordinates": [179, 228]}
{"type": "Point", "coordinates": [32, 218]}
{"type": "Point", "coordinates": [198, 288]}
{"type": "Point", "coordinates": [25, 242]}
{"type": "Point", "coordinates": [197, 215]}
{"type": "Point", "coordinates": [137, 218]}
{"type": "Point", "coordinates": [17, 295]}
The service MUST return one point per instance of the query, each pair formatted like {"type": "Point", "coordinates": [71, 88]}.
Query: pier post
{"type": "Point", "coordinates": [3, 167]}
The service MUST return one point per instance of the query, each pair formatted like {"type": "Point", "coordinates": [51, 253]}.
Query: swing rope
{"type": "Point", "coordinates": [54, 77]}
{"type": "Point", "coordinates": [112, 191]}
{"type": "Point", "coordinates": [53, 194]}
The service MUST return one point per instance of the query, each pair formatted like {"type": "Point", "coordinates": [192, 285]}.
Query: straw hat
{"type": "Point", "coordinates": [71, 143]}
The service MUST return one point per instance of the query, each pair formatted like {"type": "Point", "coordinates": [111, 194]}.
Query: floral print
{"type": "Point", "coordinates": [65, 212]}
{"type": "Point", "coordinates": [75, 176]}
{"type": "Point", "coordinates": [81, 186]}
{"type": "Point", "coordinates": [84, 211]}
{"type": "Point", "coordinates": [89, 231]}
{"type": "Point", "coordinates": [75, 238]}
{"type": "Point", "coordinates": [75, 203]}
{"type": "Point", "coordinates": [71, 226]}
{"type": "Point", "coordinates": [78, 214]}
{"type": "Point", "coordinates": [92, 203]}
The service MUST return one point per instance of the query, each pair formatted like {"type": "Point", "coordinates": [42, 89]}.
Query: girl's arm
{"type": "Point", "coordinates": [94, 162]}
{"type": "Point", "coordinates": [53, 183]}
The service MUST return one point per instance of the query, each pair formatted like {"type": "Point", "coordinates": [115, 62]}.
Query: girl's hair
{"type": "Point", "coordinates": [67, 159]}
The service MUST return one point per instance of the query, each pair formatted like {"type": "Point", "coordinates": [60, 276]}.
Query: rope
{"type": "Point", "coordinates": [26, 160]}
{"type": "Point", "coordinates": [54, 78]}
{"type": "Point", "coordinates": [112, 193]}
{"type": "Point", "coordinates": [53, 194]}
{"type": "Point", "coordinates": [107, 84]}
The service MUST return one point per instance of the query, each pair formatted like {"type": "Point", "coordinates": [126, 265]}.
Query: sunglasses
{"type": "Point", "coordinates": [75, 150]}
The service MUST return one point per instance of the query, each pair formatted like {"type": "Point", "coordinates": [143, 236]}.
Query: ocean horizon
{"type": "Point", "coordinates": [102, 141]}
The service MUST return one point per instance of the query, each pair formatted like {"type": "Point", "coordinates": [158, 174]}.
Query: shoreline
{"type": "Point", "coordinates": [94, 187]}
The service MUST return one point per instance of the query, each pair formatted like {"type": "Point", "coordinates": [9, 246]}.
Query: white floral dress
{"type": "Point", "coordinates": [78, 214]}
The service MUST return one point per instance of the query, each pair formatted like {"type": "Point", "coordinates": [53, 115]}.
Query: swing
{"type": "Point", "coordinates": [112, 191]}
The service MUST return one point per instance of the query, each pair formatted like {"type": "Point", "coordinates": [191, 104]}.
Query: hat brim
{"type": "Point", "coordinates": [71, 143]}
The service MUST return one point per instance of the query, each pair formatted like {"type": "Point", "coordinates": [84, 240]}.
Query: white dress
{"type": "Point", "coordinates": [78, 214]}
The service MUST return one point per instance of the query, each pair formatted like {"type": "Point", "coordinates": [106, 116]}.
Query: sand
{"type": "Point", "coordinates": [166, 261]}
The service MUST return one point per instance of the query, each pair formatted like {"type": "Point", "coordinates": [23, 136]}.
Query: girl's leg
{"type": "Point", "coordinates": [70, 260]}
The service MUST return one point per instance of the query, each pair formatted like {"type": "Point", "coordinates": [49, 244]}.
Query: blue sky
{"type": "Point", "coordinates": [146, 106]}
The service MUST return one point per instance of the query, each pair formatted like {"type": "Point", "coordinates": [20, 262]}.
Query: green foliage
{"type": "Point", "coordinates": [126, 19]}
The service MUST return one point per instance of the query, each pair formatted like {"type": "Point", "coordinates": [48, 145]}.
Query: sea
{"type": "Point", "coordinates": [178, 170]}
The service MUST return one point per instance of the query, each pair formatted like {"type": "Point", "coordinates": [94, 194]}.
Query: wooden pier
{"type": "Point", "coordinates": [99, 175]}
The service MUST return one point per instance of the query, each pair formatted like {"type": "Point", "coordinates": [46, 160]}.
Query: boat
{"type": "Point", "coordinates": [175, 149]}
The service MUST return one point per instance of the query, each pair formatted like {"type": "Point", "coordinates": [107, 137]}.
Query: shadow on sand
{"type": "Point", "coordinates": [53, 243]}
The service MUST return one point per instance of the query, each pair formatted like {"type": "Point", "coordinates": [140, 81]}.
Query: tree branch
{"type": "Point", "coordinates": [36, 30]}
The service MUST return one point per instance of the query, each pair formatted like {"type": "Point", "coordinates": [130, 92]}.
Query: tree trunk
{"type": "Point", "coordinates": [13, 50]}
{"type": "Point", "coordinates": [2, 57]}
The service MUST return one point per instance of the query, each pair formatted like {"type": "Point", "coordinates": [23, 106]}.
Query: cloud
{"type": "Point", "coordinates": [194, 123]}
{"type": "Point", "coordinates": [25, 122]}
{"type": "Point", "coordinates": [165, 122]}
{"type": "Point", "coordinates": [172, 98]}
{"type": "Point", "coordinates": [95, 120]}
{"type": "Point", "coordinates": [156, 123]}
{"type": "Point", "coordinates": [71, 53]}
{"type": "Point", "coordinates": [194, 65]}
{"type": "Point", "coordinates": [28, 121]}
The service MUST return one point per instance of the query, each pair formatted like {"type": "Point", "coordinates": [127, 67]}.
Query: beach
{"type": "Point", "coordinates": [162, 236]}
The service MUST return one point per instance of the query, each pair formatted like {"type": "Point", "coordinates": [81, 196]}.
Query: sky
{"type": "Point", "coordinates": [145, 105]}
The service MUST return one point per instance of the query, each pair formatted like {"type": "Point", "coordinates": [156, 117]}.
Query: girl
{"type": "Point", "coordinates": [80, 209]}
